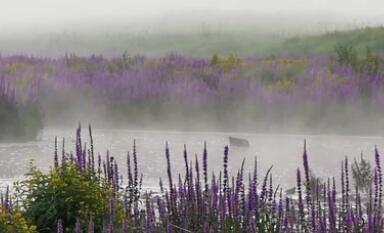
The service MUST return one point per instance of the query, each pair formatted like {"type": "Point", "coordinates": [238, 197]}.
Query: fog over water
{"type": "Point", "coordinates": [283, 151]}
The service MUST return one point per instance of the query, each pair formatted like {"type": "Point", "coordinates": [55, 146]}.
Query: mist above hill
{"type": "Point", "coordinates": [196, 33]}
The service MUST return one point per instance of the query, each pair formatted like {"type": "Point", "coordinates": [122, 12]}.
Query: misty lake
{"type": "Point", "coordinates": [283, 151]}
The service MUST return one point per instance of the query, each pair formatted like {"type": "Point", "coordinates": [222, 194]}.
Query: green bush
{"type": "Point", "coordinates": [65, 193]}
{"type": "Point", "coordinates": [14, 222]}
{"type": "Point", "coordinates": [346, 55]}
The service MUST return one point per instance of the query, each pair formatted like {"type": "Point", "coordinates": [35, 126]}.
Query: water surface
{"type": "Point", "coordinates": [282, 151]}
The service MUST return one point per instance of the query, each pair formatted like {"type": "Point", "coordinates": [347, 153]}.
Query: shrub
{"type": "Point", "coordinates": [14, 222]}
{"type": "Point", "coordinates": [11, 218]}
{"type": "Point", "coordinates": [215, 60]}
{"type": "Point", "coordinates": [346, 55]}
{"type": "Point", "coordinates": [65, 193]}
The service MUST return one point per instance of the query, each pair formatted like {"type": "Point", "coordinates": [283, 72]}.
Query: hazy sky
{"type": "Point", "coordinates": [48, 13]}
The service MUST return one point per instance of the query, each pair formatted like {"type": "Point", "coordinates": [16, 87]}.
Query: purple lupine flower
{"type": "Point", "coordinates": [162, 210]}
{"type": "Point", "coordinates": [270, 192]}
{"type": "Point", "coordinates": [342, 188]}
{"type": "Point", "coordinates": [84, 156]}
{"type": "Point", "coordinates": [169, 170]}
{"type": "Point", "coordinates": [280, 211]}
{"type": "Point", "coordinates": [205, 166]}
{"type": "Point", "coordinates": [56, 156]}
{"type": "Point", "coordinates": [380, 179]}
{"type": "Point", "coordinates": [63, 157]}
{"type": "Point", "coordinates": [308, 194]}
{"type": "Point", "coordinates": [305, 162]}
{"type": "Point", "coordinates": [214, 196]}
{"type": "Point", "coordinates": [206, 228]}
{"type": "Point", "coordinates": [77, 226]}
{"type": "Point", "coordinates": [91, 140]}
{"type": "Point", "coordinates": [135, 168]}
{"type": "Point", "coordinates": [99, 168]}
{"type": "Point", "coordinates": [89, 164]}
{"type": "Point", "coordinates": [255, 173]}
{"type": "Point", "coordinates": [7, 200]}
{"type": "Point", "coordinates": [91, 226]}
{"type": "Point", "coordinates": [346, 184]}
{"type": "Point", "coordinates": [264, 191]}
{"type": "Point", "coordinates": [376, 189]}
{"type": "Point", "coordinates": [107, 167]}
{"type": "Point", "coordinates": [149, 217]}
{"type": "Point", "coordinates": [186, 164]}
{"type": "Point", "coordinates": [79, 150]}
{"type": "Point", "coordinates": [200, 205]}
{"type": "Point", "coordinates": [112, 210]}
{"type": "Point", "coordinates": [333, 190]}
{"type": "Point", "coordinates": [110, 228]}
{"type": "Point", "coordinates": [59, 227]}
{"type": "Point", "coordinates": [225, 170]}
{"type": "Point", "coordinates": [129, 171]}
{"type": "Point", "coordinates": [301, 206]}
{"type": "Point", "coordinates": [125, 226]}
{"type": "Point", "coordinates": [116, 178]}
{"type": "Point", "coordinates": [287, 214]}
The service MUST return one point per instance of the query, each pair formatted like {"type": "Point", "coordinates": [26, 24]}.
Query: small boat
{"type": "Point", "coordinates": [239, 142]}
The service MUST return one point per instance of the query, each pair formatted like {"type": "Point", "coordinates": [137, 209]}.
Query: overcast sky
{"type": "Point", "coordinates": [51, 13]}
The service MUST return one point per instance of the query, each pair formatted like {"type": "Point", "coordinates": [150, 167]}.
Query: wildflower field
{"type": "Point", "coordinates": [316, 92]}
{"type": "Point", "coordinates": [339, 91]}
{"type": "Point", "coordinates": [85, 192]}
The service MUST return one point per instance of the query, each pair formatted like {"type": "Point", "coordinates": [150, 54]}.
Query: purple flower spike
{"type": "Point", "coordinates": [60, 226]}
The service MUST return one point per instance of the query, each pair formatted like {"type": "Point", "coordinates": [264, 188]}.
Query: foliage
{"type": "Point", "coordinates": [65, 193]}
{"type": "Point", "coordinates": [11, 216]}
{"type": "Point", "coordinates": [215, 60]}
{"type": "Point", "coordinates": [231, 61]}
{"type": "Point", "coordinates": [14, 222]}
{"type": "Point", "coordinates": [346, 55]}
{"type": "Point", "coordinates": [371, 63]}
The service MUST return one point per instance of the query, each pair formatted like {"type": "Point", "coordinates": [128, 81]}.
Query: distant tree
{"type": "Point", "coordinates": [346, 55]}
{"type": "Point", "coordinates": [215, 60]}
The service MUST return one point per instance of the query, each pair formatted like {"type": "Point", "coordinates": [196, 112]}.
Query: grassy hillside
{"type": "Point", "coordinates": [201, 44]}
{"type": "Point", "coordinates": [359, 39]}
{"type": "Point", "coordinates": [250, 42]}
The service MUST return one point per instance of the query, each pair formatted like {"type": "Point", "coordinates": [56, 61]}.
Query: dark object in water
{"type": "Point", "coordinates": [240, 142]}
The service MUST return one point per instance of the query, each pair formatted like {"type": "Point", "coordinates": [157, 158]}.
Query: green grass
{"type": "Point", "coordinates": [359, 39]}
{"type": "Point", "coordinates": [249, 42]}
